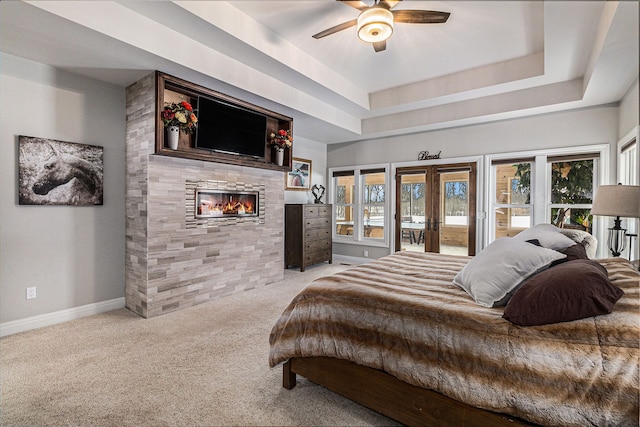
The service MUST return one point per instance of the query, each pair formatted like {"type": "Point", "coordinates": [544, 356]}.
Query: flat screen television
{"type": "Point", "coordinates": [227, 128]}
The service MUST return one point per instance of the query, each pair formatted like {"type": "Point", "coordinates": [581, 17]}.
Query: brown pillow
{"type": "Point", "coordinates": [572, 290]}
{"type": "Point", "coordinates": [576, 252]}
{"type": "Point", "coordinates": [572, 252]}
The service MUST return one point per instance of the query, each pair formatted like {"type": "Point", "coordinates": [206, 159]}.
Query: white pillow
{"type": "Point", "coordinates": [548, 235]}
{"type": "Point", "coordinates": [492, 276]}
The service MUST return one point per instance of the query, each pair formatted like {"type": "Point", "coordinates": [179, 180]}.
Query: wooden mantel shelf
{"type": "Point", "coordinates": [173, 89]}
{"type": "Point", "coordinates": [208, 156]}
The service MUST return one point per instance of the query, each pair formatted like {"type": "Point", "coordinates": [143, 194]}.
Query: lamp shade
{"type": "Point", "coordinates": [375, 25]}
{"type": "Point", "coordinates": [617, 200]}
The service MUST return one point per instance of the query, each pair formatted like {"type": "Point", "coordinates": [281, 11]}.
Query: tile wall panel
{"type": "Point", "coordinates": [174, 261]}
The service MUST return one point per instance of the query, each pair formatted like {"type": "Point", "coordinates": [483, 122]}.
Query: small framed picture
{"type": "Point", "coordinates": [300, 176]}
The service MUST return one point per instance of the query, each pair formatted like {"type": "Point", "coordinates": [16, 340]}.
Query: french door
{"type": "Point", "coordinates": [436, 209]}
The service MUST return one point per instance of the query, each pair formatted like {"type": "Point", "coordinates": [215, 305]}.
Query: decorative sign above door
{"type": "Point", "coordinates": [424, 155]}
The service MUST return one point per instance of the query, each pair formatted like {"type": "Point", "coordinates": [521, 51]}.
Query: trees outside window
{"type": "Point", "coordinates": [456, 203]}
{"type": "Point", "coordinates": [413, 200]}
{"type": "Point", "coordinates": [571, 189]}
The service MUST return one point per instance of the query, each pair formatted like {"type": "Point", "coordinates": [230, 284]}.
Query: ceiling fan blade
{"type": "Point", "coordinates": [390, 3]}
{"type": "Point", "coordinates": [420, 16]}
{"type": "Point", "coordinates": [380, 46]}
{"type": "Point", "coordinates": [356, 4]}
{"type": "Point", "coordinates": [335, 29]}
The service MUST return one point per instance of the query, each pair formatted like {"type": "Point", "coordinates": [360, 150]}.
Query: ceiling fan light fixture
{"type": "Point", "coordinates": [375, 25]}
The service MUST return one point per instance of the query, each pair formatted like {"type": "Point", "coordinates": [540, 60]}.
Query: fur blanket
{"type": "Point", "coordinates": [402, 314]}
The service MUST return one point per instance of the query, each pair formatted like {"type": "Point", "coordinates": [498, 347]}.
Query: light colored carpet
{"type": "Point", "coordinates": [201, 366]}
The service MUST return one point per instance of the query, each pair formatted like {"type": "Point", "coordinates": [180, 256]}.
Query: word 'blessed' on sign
{"type": "Point", "coordinates": [424, 155]}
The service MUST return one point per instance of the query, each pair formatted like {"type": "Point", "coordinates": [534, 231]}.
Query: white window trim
{"type": "Point", "coordinates": [540, 192]}
{"type": "Point", "coordinates": [632, 225]}
{"type": "Point", "coordinates": [633, 134]}
{"type": "Point", "coordinates": [358, 209]}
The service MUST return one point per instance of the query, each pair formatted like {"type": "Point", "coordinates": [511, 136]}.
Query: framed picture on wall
{"type": "Point", "coordinates": [54, 172]}
{"type": "Point", "coordinates": [300, 176]}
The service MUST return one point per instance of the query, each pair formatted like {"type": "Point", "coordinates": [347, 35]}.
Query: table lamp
{"type": "Point", "coordinates": [618, 201]}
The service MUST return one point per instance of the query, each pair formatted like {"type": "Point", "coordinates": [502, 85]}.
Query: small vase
{"type": "Point", "coordinates": [173, 133]}
{"type": "Point", "coordinates": [279, 156]}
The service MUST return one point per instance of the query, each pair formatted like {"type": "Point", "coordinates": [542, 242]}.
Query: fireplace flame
{"type": "Point", "coordinates": [233, 208]}
{"type": "Point", "coordinates": [219, 206]}
{"type": "Point", "coordinates": [236, 208]}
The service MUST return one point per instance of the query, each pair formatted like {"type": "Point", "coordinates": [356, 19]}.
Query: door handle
{"type": "Point", "coordinates": [435, 225]}
{"type": "Point", "coordinates": [428, 225]}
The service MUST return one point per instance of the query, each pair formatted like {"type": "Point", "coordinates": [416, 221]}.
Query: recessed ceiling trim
{"type": "Point", "coordinates": [512, 102]}
{"type": "Point", "coordinates": [463, 81]}
{"type": "Point", "coordinates": [599, 50]}
{"type": "Point", "coordinates": [231, 20]}
{"type": "Point", "coordinates": [144, 33]}
{"type": "Point", "coordinates": [606, 19]}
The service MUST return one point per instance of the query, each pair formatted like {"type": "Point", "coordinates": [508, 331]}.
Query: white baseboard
{"type": "Point", "coordinates": [350, 259]}
{"type": "Point", "coordinates": [48, 319]}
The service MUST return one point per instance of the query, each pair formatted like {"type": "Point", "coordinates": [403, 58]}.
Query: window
{"type": "Point", "coordinates": [629, 164]}
{"type": "Point", "coordinates": [629, 174]}
{"type": "Point", "coordinates": [360, 204]}
{"type": "Point", "coordinates": [343, 204]}
{"type": "Point", "coordinates": [373, 202]}
{"type": "Point", "coordinates": [412, 198]}
{"type": "Point", "coordinates": [455, 203]}
{"type": "Point", "coordinates": [555, 186]}
{"type": "Point", "coordinates": [512, 196]}
{"type": "Point", "coordinates": [571, 188]}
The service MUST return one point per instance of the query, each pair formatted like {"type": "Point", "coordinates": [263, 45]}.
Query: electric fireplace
{"type": "Point", "coordinates": [225, 203]}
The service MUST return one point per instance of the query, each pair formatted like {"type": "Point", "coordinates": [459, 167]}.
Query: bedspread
{"type": "Point", "coordinates": [402, 314]}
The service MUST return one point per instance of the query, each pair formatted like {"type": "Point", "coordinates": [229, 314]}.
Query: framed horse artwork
{"type": "Point", "coordinates": [59, 173]}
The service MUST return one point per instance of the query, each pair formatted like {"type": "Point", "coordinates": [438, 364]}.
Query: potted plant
{"type": "Point", "coordinates": [280, 140]}
{"type": "Point", "coordinates": [178, 116]}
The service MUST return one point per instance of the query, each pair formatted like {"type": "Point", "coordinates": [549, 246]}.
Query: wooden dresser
{"type": "Point", "coordinates": [307, 235]}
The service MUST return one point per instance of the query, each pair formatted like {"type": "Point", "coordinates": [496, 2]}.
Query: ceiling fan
{"type": "Point", "coordinates": [375, 23]}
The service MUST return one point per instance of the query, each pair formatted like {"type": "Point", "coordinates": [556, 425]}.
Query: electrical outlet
{"type": "Point", "coordinates": [31, 293]}
{"type": "Point", "coordinates": [366, 254]}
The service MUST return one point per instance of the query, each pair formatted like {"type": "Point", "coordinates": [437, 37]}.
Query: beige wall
{"type": "Point", "coordinates": [629, 111]}
{"type": "Point", "coordinates": [317, 153]}
{"type": "Point", "coordinates": [73, 255]}
{"type": "Point", "coordinates": [587, 126]}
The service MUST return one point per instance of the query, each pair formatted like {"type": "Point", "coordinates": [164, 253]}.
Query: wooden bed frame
{"type": "Point", "coordinates": [384, 393]}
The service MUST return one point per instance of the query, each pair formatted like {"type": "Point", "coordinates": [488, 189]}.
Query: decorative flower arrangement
{"type": "Point", "coordinates": [181, 115]}
{"type": "Point", "coordinates": [281, 140]}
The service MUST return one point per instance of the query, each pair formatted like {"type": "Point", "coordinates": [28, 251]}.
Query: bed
{"type": "Point", "coordinates": [398, 336]}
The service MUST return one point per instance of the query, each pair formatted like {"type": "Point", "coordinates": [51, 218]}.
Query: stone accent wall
{"type": "Point", "coordinates": [140, 144]}
{"type": "Point", "coordinates": [171, 265]}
